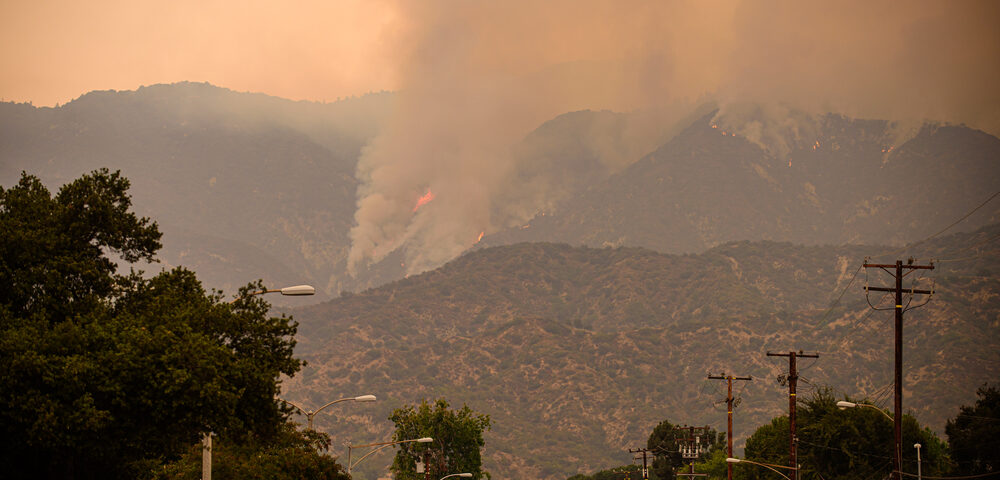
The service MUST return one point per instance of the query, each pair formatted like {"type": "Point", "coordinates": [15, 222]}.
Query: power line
{"type": "Point", "coordinates": [945, 229]}
{"type": "Point", "coordinates": [970, 247]}
{"type": "Point", "coordinates": [952, 478]}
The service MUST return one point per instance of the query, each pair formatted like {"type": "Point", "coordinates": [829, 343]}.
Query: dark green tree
{"type": "Point", "coordinates": [664, 442]}
{"type": "Point", "coordinates": [110, 376]}
{"type": "Point", "coordinates": [974, 434]}
{"type": "Point", "coordinates": [457, 434]}
{"type": "Point", "coordinates": [842, 444]}
{"type": "Point", "coordinates": [290, 455]}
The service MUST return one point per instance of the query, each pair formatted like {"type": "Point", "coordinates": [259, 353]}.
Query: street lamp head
{"type": "Point", "coordinates": [732, 460]}
{"type": "Point", "coordinates": [916, 445]}
{"type": "Point", "coordinates": [425, 440]}
{"type": "Point", "coordinates": [299, 290]}
{"type": "Point", "coordinates": [842, 405]}
{"type": "Point", "coordinates": [365, 398]}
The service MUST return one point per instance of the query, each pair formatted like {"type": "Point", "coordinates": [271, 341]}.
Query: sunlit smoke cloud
{"type": "Point", "coordinates": [475, 77]}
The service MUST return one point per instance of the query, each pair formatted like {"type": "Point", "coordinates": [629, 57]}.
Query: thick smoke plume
{"type": "Point", "coordinates": [475, 77]}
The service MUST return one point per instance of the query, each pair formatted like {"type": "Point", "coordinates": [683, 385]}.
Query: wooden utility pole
{"type": "Point", "coordinates": [793, 378]}
{"type": "Point", "coordinates": [897, 458]}
{"type": "Point", "coordinates": [645, 468]}
{"type": "Point", "coordinates": [729, 423]}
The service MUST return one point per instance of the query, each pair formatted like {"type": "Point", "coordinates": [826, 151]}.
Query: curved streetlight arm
{"type": "Point", "coordinates": [765, 465]}
{"type": "Point", "coordinates": [331, 403]}
{"type": "Point", "coordinates": [463, 475]}
{"type": "Point", "coordinates": [362, 398]}
{"type": "Point", "coordinates": [380, 446]}
{"type": "Point", "coordinates": [300, 409]}
{"type": "Point", "coordinates": [294, 290]}
{"type": "Point", "coordinates": [351, 467]}
{"type": "Point", "coordinates": [844, 404]}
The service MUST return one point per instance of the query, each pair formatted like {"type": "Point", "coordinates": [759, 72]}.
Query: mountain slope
{"type": "Point", "coordinates": [243, 185]}
{"type": "Point", "coordinates": [842, 182]}
{"type": "Point", "coordinates": [577, 353]}
{"type": "Point", "coordinates": [247, 185]}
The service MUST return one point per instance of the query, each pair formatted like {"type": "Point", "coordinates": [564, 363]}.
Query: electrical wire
{"type": "Point", "coordinates": [945, 229]}
{"type": "Point", "coordinates": [839, 343]}
{"type": "Point", "coordinates": [841, 296]}
{"type": "Point", "coordinates": [836, 302]}
{"type": "Point", "coordinates": [970, 247]}
{"type": "Point", "coordinates": [951, 478]}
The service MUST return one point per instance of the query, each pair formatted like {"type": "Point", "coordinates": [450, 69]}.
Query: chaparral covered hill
{"type": "Point", "coordinates": [576, 353]}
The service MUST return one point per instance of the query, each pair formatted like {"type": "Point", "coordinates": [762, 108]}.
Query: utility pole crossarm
{"type": "Point", "coordinates": [893, 265]}
{"type": "Point", "coordinates": [797, 354]}
{"type": "Point", "coordinates": [645, 465]}
{"type": "Point", "coordinates": [715, 377]}
{"type": "Point", "coordinates": [887, 289]}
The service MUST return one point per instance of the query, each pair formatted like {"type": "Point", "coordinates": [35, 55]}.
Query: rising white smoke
{"type": "Point", "coordinates": [477, 76]}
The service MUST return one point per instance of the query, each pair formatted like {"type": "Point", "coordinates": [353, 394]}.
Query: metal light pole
{"type": "Point", "coordinates": [917, 446]}
{"type": "Point", "coordinates": [378, 446]}
{"type": "Point", "coordinates": [206, 440]}
{"type": "Point", "coordinates": [310, 414]}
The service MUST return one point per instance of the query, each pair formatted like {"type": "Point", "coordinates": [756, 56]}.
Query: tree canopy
{"type": "Point", "coordinates": [665, 443]}
{"type": "Point", "coordinates": [457, 445]}
{"type": "Point", "coordinates": [291, 454]}
{"type": "Point", "coordinates": [104, 375]}
{"type": "Point", "coordinates": [842, 444]}
{"type": "Point", "coordinates": [974, 434]}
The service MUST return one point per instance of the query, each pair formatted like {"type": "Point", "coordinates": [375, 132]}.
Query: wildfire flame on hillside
{"type": "Point", "coordinates": [424, 200]}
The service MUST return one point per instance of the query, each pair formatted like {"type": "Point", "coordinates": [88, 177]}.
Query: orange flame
{"type": "Point", "coordinates": [424, 200]}
{"type": "Point", "coordinates": [480, 237]}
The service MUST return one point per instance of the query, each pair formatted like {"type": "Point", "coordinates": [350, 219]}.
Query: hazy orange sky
{"type": "Point", "coordinates": [474, 76]}
{"type": "Point", "coordinates": [53, 51]}
{"type": "Point", "coordinates": [857, 57]}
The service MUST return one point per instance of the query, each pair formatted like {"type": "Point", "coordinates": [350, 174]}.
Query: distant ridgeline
{"type": "Point", "coordinates": [248, 186]}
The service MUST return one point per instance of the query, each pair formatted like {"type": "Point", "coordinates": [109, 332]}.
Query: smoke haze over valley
{"type": "Point", "coordinates": [546, 195]}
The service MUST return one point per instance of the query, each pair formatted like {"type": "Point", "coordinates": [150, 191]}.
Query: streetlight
{"type": "Point", "coordinates": [898, 454]}
{"type": "Point", "coordinates": [379, 446]}
{"type": "Point", "coordinates": [294, 291]}
{"type": "Point", "coordinates": [765, 465]}
{"type": "Point", "coordinates": [206, 441]}
{"type": "Point", "coordinates": [844, 405]}
{"type": "Point", "coordinates": [463, 475]}
{"type": "Point", "coordinates": [310, 414]}
{"type": "Point", "coordinates": [917, 446]}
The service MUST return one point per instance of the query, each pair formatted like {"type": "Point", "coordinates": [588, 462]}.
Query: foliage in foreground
{"type": "Point", "coordinates": [105, 375]}
{"type": "Point", "coordinates": [842, 444]}
{"type": "Point", "coordinates": [974, 434]}
{"type": "Point", "coordinates": [290, 455]}
{"type": "Point", "coordinates": [457, 445]}
{"type": "Point", "coordinates": [664, 457]}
